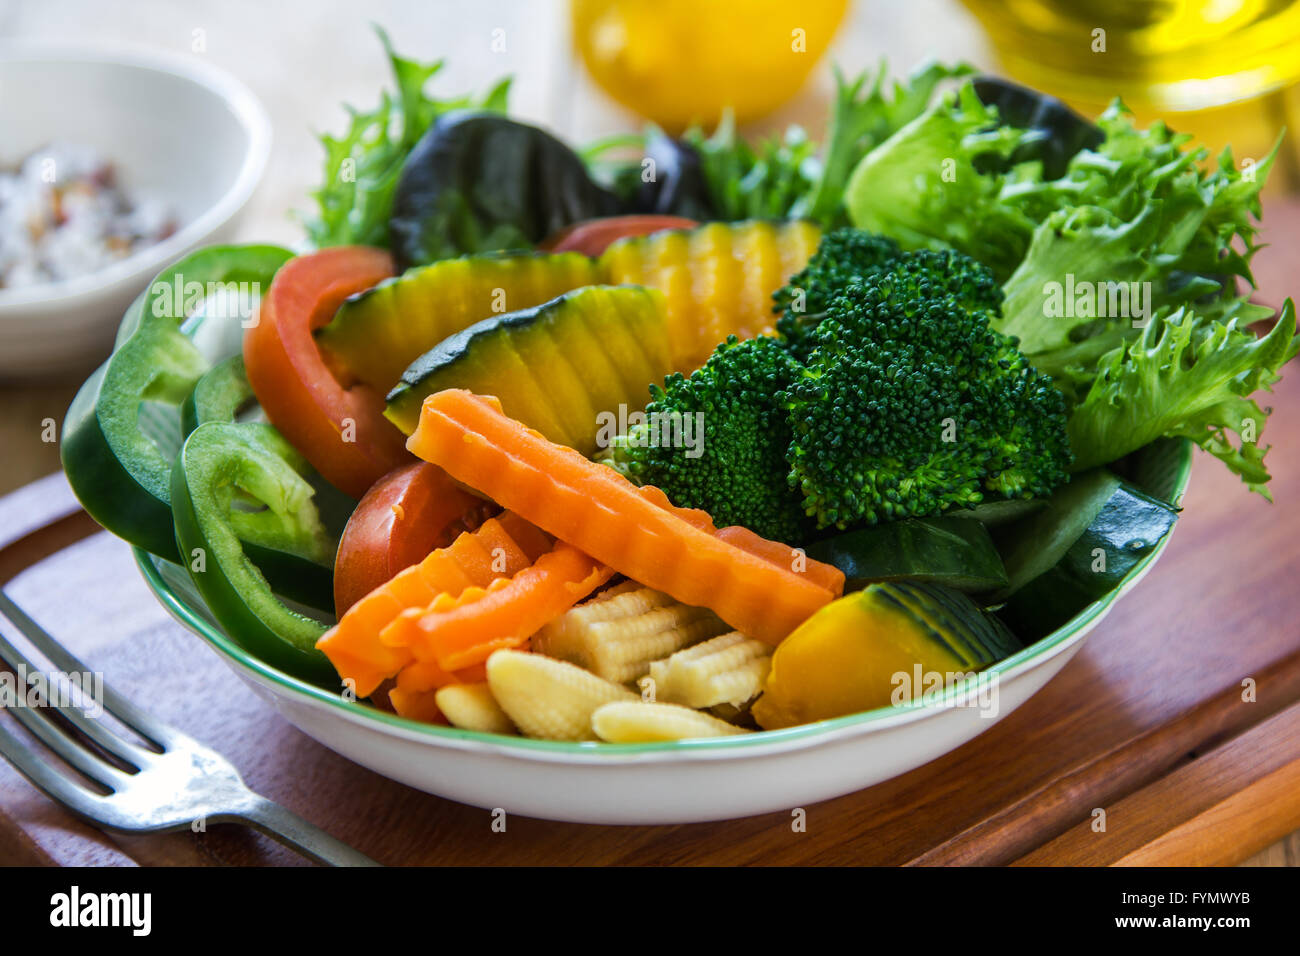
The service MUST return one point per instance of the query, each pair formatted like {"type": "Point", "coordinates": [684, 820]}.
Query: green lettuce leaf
{"type": "Point", "coordinates": [1121, 275]}
{"type": "Point", "coordinates": [1140, 209]}
{"type": "Point", "coordinates": [863, 117]}
{"type": "Point", "coordinates": [788, 177]}
{"type": "Point", "coordinates": [1204, 210]}
{"type": "Point", "coordinates": [923, 186]}
{"type": "Point", "coordinates": [1089, 243]}
{"type": "Point", "coordinates": [763, 181]}
{"type": "Point", "coordinates": [1189, 377]}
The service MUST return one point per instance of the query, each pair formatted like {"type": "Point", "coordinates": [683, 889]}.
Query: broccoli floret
{"type": "Point", "coordinates": [736, 470]}
{"type": "Point", "coordinates": [910, 405]}
{"type": "Point", "coordinates": [849, 258]}
{"type": "Point", "coordinates": [918, 277]}
{"type": "Point", "coordinates": [859, 450]}
{"type": "Point", "coordinates": [841, 256]}
{"type": "Point", "coordinates": [894, 399]}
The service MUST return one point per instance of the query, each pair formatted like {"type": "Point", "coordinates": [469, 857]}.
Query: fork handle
{"type": "Point", "coordinates": [293, 831]}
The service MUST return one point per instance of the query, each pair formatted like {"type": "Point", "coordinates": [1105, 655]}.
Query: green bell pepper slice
{"type": "Point", "coordinates": [239, 492]}
{"type": "Point", "coordinates": [224, 394]}
{"type": "Point", "coordinates": [219, 396]}
{"type": "Point", "coordinates": [123, 429]}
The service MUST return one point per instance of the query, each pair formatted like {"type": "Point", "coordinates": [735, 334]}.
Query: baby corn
{"type": "Point", "coordinates": [625, 722]}
{"type": "Point", "coordinates": [618, 637]}
{"type": "Point", "coordinates": [472, 707]}
{"type": "Point", "coordinates": [729, 669]}
{"type": "Point", "coordinates": [626, 599]}
{"type": "Point", "coordinates": [549, 698]}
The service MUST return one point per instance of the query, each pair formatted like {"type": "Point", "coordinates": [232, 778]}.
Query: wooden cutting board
{"type": "Point", "coordinates": [1148, 723]}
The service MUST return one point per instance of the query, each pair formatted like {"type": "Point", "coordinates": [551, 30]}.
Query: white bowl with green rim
{"type": "Point", "coordinates": [679, 782]}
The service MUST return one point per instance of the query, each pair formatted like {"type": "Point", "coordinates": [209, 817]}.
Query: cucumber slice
{"type": "Point", "coordinates": [952, 551]}
{"type": "Point", "coordinates": [992, 514]}
{"type": "Point", "coordinates": [1117, 535]}
{"type": "Point", "coordinates": [1032, 545]}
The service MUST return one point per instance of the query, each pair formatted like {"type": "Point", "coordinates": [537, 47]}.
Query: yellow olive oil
{"type": "Point", "coordinates": [1227, 71]}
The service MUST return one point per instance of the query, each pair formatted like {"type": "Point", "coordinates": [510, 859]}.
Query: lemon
{"type": "Point", "coordinates": [682, 61]}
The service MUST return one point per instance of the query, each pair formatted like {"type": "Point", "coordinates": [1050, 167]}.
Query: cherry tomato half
{"type": "Point", "coordinates": [408, 513]}
{"type": "Point", "coordinates": [593, 236]}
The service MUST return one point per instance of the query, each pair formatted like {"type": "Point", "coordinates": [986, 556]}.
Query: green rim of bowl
{"type": "Point", "coordinates": [1164, 471]}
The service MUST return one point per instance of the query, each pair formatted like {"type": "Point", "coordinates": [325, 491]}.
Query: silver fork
{"type": "Point", "coordinates": [164, 789]}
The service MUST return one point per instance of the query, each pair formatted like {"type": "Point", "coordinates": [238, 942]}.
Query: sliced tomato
{"type": "Point", "coordinates": [593, 236]}
{"type": "Point", "coordinates": [408, 513]}
{"type": "Point", "coordinates": [341, 431]}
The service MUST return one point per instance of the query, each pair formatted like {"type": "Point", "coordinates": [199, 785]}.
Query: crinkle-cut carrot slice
{"type": "Point", "coordinates": [782, 555]}
{"type": "Point", "coordinates": [458, 632]}
{"type": "Point", "coordinates": [428, 675]}
{"type": "Point", "coordinates": [416, 705]}
{"type": "Point", "coordinates": [694, 516]}
{"type": "Point", "coordinates": [353, 647]}
{"type": "Point", "coordinates": [774, 552]}
{"type": "Point", "coordinates": [419, 682]}
{"type": "Point", "coordinates": [404, 631]}
{"type": "Point", "coordinates": [439, 572]}
{"type": "Point", "coordinates": [500, 547]}
{"type": "Point", "coordinates": [600, 512]}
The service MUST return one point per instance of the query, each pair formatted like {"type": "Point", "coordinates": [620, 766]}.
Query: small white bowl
{"type": "Point", "coordinates": [173, 127]}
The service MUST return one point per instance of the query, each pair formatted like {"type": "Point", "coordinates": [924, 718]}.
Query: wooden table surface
{"type": "Point", "coordinates": [1147, 723]}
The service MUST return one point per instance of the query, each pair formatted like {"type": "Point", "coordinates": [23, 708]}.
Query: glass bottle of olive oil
{"type": "Point", "coordinates": [1227, 71]}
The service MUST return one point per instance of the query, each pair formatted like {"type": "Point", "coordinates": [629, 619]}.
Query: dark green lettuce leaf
{"type": "Point", "coordinates": [362, 166]}
{"type": "Point", "coordinates": [480, 182]}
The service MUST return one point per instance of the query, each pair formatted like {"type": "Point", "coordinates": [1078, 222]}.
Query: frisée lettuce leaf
{"type": "Point", "coordinates": [1121, 274]}
{"type": "Point", "coordinates": [1190, 377]}
{"type": "Point", "coordinates": [362, 166]}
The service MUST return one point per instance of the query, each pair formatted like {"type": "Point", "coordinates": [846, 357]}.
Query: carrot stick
{"type": "Point", "coordinates": [420, 676]}
{"type": "Point", "coordinates": [774, 552]}
{"type": "Point", "coordinates": [416, 705]}
{"type": "Point", "coordinates": [693, 516]}
{"type": "Point", "coordinates": [600, 512]}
